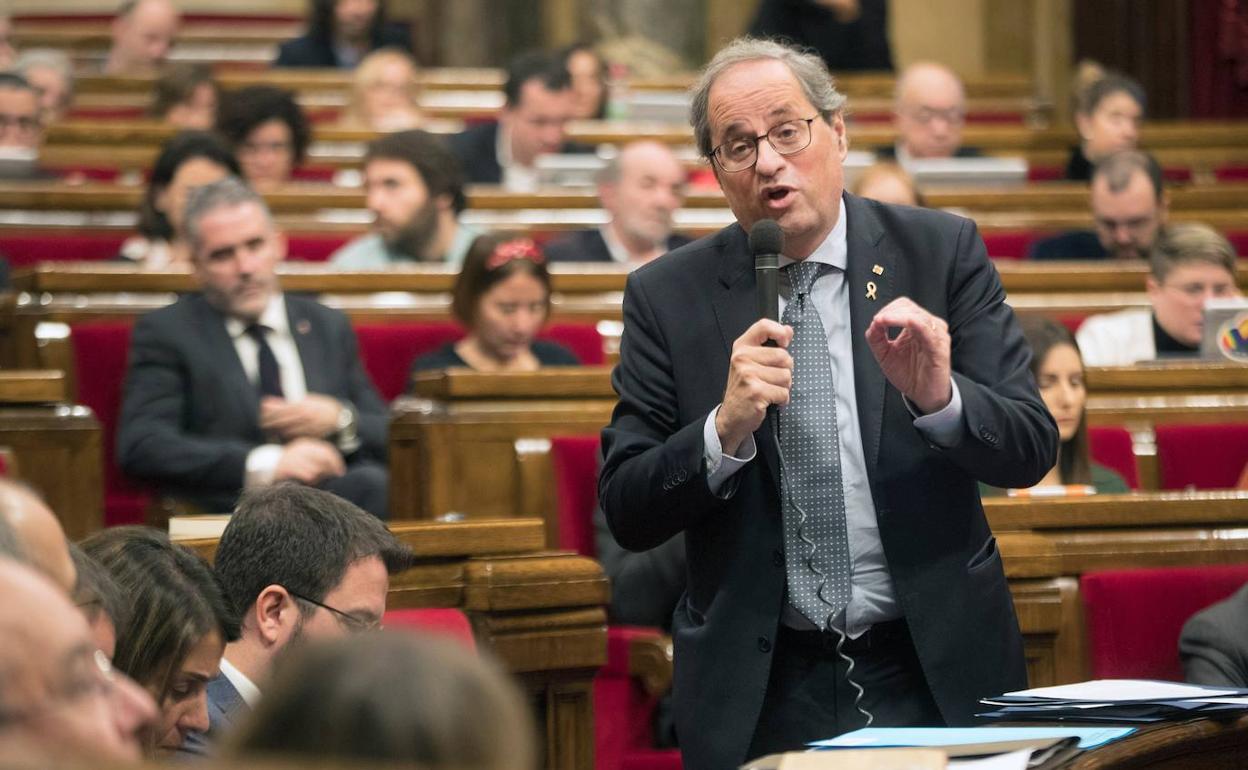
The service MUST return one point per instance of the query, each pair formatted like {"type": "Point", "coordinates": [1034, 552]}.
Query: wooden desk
{"type": "Point", "coordinates": [56, 446]}
{"type": "Point", "coordinates": [1199, 744]}
{"type": "Point", "coordinates": [542, 613]}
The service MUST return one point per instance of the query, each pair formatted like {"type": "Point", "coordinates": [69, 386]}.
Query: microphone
{"type": "Point", "coordinates": [766, 243]}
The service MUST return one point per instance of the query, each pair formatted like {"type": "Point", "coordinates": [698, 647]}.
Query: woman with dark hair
{"type": "Point", "coordinates": [341, 33]}
{"type": "Point", "coordinates": [267, 130]}
{"type": "Point", "coordinates": [1108, 109]}
{"type": "Point", "coordinates": [190, 159]}
{"type": "Point", "coordinates": [588, 71]}
{"type": "Point", "coordinates": [186, 96]}
{"type": "Point", "coordinates": [502, 297]}
{"type": "Point", "coordinates": [1058, 370]}
{"type": "Point", "coordinates": [178, 625]}
{"type": "Point", "coordinates": [394, 698]}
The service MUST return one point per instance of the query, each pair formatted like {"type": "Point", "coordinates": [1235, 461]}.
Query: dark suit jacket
{"type": "Point", "coordinates": [646, 586]}
{"type": "Point", "coordinates": [309, 51]}
{"type": "Point", "coordinates": [889, 152]}
{"type": "Point", "coordinates": [476, 150]}
{"type": "Point", "coordinates": [589, 246]}
{"type": "Point", "coordinates": [1214, 643]}
{"type": "Point", "coordinates": [859, 45]}
{"type": "Point", "coordinates": [189, 416]}
{"type": "Point", "coordinates": [225, 707]}
{"type": "Point", "coordinates": [681, 316]}
{"type": "Point", "coordinates": [1076, 244]}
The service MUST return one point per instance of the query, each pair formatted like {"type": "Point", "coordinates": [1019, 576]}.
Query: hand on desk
{"type": "Point", "coordinates": [917, 360]}
{"type": "Point", "coordinates": [316, 416]}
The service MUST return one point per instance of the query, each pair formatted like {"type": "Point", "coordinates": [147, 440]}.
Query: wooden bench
{"type": "Point", "coordinates": [542, 613]}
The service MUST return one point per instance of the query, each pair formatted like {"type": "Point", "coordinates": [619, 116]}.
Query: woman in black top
{"type": "Point", "coordinates": [502, 296]}
{"type": "Point", "coordinates": [1108, 111]}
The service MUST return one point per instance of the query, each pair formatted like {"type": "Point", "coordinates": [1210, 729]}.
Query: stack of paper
{"type": "Point", "coordinates": [1011, 748]}
{"type": "Point", "coordinates": [1118, 700]}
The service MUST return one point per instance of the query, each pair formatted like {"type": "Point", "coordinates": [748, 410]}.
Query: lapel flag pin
{"type": "Point", "coordinates": [878, 270]}
{"type": "Point", "coordinates": [870, 289]}
{"type": "Point", "coordinates": [303, 327]}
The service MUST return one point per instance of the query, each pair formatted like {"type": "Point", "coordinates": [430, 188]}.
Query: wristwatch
{"type": "Point", "coordinates": [348, 438]}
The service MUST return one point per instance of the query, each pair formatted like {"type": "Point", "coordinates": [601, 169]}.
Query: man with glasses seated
{"type": "Point", "coordinates": [1129, 206]}
{"type": "Point", "coordinates": [298, 564]}
{"type": "Point", "coordinates": [21, 129]}
{"type": "Point", "coordinates": [929, 110]}
{"type": "Point", "coordinates": [60, 700]}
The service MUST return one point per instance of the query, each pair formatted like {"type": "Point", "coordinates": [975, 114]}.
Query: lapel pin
{"type": "Point", "coordinates": [303, 327]}
{"type": "Point", "coordinates": [877, 270]}
{"type": "Point", "coordinates": [870, 289]}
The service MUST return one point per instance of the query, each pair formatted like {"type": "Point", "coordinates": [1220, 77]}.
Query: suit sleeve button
{"type": "Point", "coordinates": [764, 644]}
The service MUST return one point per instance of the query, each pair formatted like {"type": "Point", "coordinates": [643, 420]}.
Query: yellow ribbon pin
{"type": "Point", "coordinates": [870, 289]}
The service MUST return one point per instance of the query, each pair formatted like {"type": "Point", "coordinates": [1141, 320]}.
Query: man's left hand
{"type": "Point", "coordinates": [316, 416]}
{"type": "Point", "coordinates": [916, 361]}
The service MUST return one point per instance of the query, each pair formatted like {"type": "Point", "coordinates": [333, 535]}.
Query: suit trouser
{"type": "Point", "coordinates": [367, 484]}
{"type": "Point", "coordinates": [808, 697]}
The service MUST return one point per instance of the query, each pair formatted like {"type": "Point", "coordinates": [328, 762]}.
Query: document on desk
{"type": "Point", "coordinates": [972, 741]}
{"type": "Point", "coordinates": [1119, 691]}
{"type": "Point", "coordinates": [1015, 760]}
{"type": "Point", "coordinates": [1117, 700]}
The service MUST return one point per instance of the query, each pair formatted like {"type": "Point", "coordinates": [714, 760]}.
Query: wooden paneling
{"type": "Point", "coordinates": [58, 452]}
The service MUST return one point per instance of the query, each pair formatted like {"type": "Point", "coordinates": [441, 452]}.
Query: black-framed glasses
{"type": "Point", "coordinates": [741, 153]}
{"type": "Point", "coordinates": [353, 623]}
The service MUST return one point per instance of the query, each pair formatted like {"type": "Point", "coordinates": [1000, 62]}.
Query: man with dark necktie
{"type": "Point", "coordinates": [826, 486]}
{"type": "Point", "coordinates": [241, 385]}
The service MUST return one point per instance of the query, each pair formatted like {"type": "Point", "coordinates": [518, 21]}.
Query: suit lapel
{"type": "Point", "coordinates": [311, 354]}
{"type": "Point", "coordinates": [221, 350]}
{"type": "Point", "coordinates": [736, 309]}
{"type": "Point", "coordinates": [865, 254]}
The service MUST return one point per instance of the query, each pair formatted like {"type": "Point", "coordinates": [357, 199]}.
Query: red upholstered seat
{"type": "Point", "coordinates": [388, 350]}
{"type": "Point", "coordinates": [447, 622]}
{"type": "Point", "coordinates": [314, 247]}
{"type": "Point", "coordinates": [1009, 244]}
{"type": "Point", "coordinates": [1202, 456]}
{"type": "Point", "coordinates": [1134, 617]}
{"type": "Point", "coordinates": [101, 351]}
{"type": "Point", "coordinates": [29, 247]}
{"type": "Point", "coordinates": [1112, 447]}
{"type": "Point", "coordinates": [623, 709]}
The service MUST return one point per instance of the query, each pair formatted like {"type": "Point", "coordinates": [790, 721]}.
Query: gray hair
{"type": "Point", "coordinates": [50, 58]}
{"type": "Point", "coordinates": [809, 70]}
{"type": "Point", "coordinates": [230, 191]}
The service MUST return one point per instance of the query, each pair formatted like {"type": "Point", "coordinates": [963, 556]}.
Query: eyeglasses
{"type": "Point", "coordinates": [353, 623]}
{"type": "Point", "coordinates": [954, 116]}
{"type": "Point", "coordinates": [741, 153]}
{"type": "Point", "coordinates": [27, 124]}
{"type": "Point", "coordinates": [255, 148]}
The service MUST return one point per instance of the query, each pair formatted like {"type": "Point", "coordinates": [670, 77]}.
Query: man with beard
{"type": "Point", "coordinates": [640, 189]}
{"type": "Point", "coordinates": [415, 190]}
{"type": "Point", "coordinates": [297, 564]}
{"type": "Point", "coordinates": [241, 385]}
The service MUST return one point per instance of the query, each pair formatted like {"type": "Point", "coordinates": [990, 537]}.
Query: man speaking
{"type": "Point", "coordinates": [826, 484]}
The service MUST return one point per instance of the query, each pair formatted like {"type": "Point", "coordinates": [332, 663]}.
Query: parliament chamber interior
{"type": "Point", "coordinates": [450, 202]}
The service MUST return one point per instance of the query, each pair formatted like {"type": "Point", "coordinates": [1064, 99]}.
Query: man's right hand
{"type": "Point", "coordinates": [757, 378]}
{"type": "Point", "coordinates": [309, 461]}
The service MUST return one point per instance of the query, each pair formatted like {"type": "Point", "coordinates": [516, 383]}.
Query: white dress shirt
{"type": "Point", "coordinates": [262, 461]}
{"type": "Point", "coordinates": [247, 689]}
{"type": "Point", "coordinates": [873, 599]}
{"type": "Point", "coordinates": [516, 178]}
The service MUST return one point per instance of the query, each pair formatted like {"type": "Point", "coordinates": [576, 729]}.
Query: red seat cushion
{"type": "Point", "coordinates": [574, 463]}
{"type": "Point", "coordinates": [101, 350]}
{"type": "Point", "coordinates": [447, 622]}
{"type": "Point", "coordinates": [1009, 244]}
{"type": "Point", "coordinates": [28, 247]}
{"type": "Point", "coordinates": [1134, 617]}
{"type": "Point", "coordinates": [1202, 456]}
{"type": "Point", "coordinates": [1113, 448]}
{"type": "Point", "coordinates": [315, 247]}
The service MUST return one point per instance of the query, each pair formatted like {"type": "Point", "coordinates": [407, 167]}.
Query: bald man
{"type": "Point", "coordinates": [38, 532]}
{"type": "Point", "coordinates": [640, 189]}
{"type": "Point", "coordinates": [60, 702]}
{"type": "Point", "coordinates": [143, 32]}
{"type": "Point", "coordinates": [929, 110]}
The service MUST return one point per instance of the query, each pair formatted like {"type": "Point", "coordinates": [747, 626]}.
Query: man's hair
{"type": "Point", "coordinates": [300, 538]}
{"type": "Point", "coordinates": [177, 84]}
{"type": "Point", "coordinates": [14, 82]}
{"type": "Point", "coordinates": [1119, 167]}
{"type": "Point", "coordinates": [1183, 244]}
{"type": "Point", "coordinates": [810, 71]}
{"type": "Point", "coordinates": [1090, 97]}
{"type": "Point", "coordinates": [51, 58]}
{"type": "Point", "coordinates": [547, 69]}
{"type": "Point", "coordinates": [184, 146]}
{"type": "Point", "coordinates": [241, 111]}
{"type": "Point", "coordinates": [230, 191]}
{"type": "Point", "coordinates": [96, 591]}
{"type": "Point", "coordinates": [426, 153]}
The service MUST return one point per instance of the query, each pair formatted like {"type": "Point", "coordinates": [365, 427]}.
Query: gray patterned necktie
{"type": "Point", "coordinates": [811, 470]}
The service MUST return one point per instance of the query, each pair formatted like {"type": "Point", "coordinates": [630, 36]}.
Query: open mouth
{"type": "Point", "coordinates": [778, 197]}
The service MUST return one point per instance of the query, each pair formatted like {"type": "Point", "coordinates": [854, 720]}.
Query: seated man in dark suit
{"type": "Point", "coordinates": [340, 33]}
{"type": "Point", "coordinates": [929, 110]}
{"type": "Point", "coordinates": [239, 385]}
{"type": "Point", "coordinates": [298, 564]}
{"type": "Point", "coordinates": [1214, 643]}
{"type": "Point", "coordinates": [1129, 207]}
{"type": "Point", "coordinates": [539, 104]}
{"type": "Point", "coordinates": [641, 188]}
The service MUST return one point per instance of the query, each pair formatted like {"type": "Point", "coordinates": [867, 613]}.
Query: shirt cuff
{"type": "Point", "coordinates": [262, 465]}
{"type": "Point", "coordinates": [944, 427]}
{"type": "Point", "coordinates": [719, 466]}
